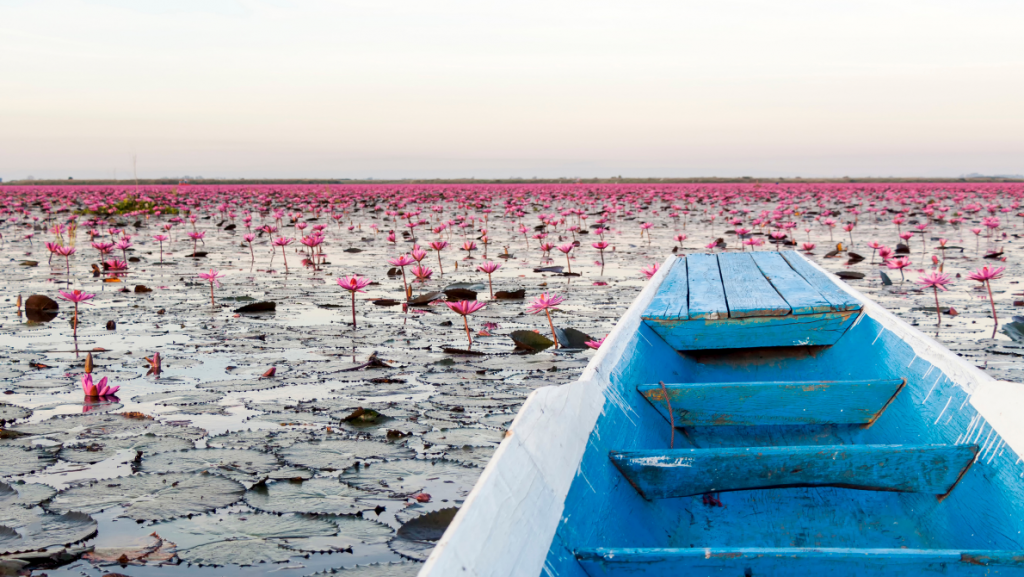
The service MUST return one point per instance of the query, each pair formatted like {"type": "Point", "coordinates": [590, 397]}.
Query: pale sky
{"type": "Point", "coordinates": [596, 88]}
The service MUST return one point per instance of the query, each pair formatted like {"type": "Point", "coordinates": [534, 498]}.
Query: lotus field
{"type": "Point", "coordinates": [309, 379]}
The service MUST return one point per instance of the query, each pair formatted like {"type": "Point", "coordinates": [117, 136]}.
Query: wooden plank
{"type": "Point", "coordinates": [773, 403]}
{"type": "Point", "coordinates": [665, 473]}
{"type": "Point", "coordinates": [840, 299]}
{"type": "Point", "coordinates": [670, 302]}
{"type": "Point", "coordinates": [747, 292]}
{"type": "Point", "coordinates": [786, 562]}
{"type": "Point", "coordinates": [795, 290]}
{"type": "Point", "coordinates": [752, 332]}
{"type": "Point", "coordinates": [707, 295]}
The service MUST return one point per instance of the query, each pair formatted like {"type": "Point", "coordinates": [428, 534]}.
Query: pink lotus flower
{"type": "Point", "coordinates": [566, 249]}
{"type": "Point", "coordinates": [212, 277]}
{"type": "Point", "coordinates": [466, 308]}
{"type": "Point", "coordinates": [353, 284]}
{"type": "Point", "coordinates": [76, 296]}
{"type": "Point", "coordinates": [936, 281]}
{"type": "Point", "coordinates": [99, 389]}
{"type": "Point", "coordinates": [899, 263]}
{"type": "Point", "coordinates": [401, 262]}
{"type": "Point", "coordinates": [650, 271]}
{"type": "Point", "coordinates": [546, 303]}
{"type": "Point", "coordinates": [418, 253]}
{"type": "Point", "coordinates": [986, 275]}
{"type": "Point", "coordinates": [421, 273]}
{"type": "Point", "coordinates": [469, 246]}
{"type": "Point", "coordinates": [595, 344]}
{"type": "Point", "coordinates": [489, 267]}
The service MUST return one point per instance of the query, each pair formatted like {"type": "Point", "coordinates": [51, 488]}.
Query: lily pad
{"type": "Point", "coordinates": [323, 495]}
{"type": "Point", "coordinates": [16, 460]}
{"type": "Point", "coordinates": [101, 449]}
{"type": "Point", "coordinates": [530, 341]}
{"type": "Point", "coordinates": [11, 413]}
{"type": "Point", "coordinates": [406, 477]}
{"type": "Point", "coordinates": [335, 455]}
{"type": "Point", "coordinates": [403, 569]}
{"type": "Point", "coordinates": [151, 497]}
{"type": "Point", "coordinates": [416, 539]}
{"type": "Point", "coordinates": [572, 339]}
{"type": "Point", "coordinates": [259, 439]}
{"type": "Point", "coordinates": [241, 538]}
{"type": "Point", "coordinates": [241, 385]}
{"type": "Point", "coordinates": [352, 531]}
{"type": "Point", "coordinates": [464, 436]}
{"type": "Point", "coordinates": [30, 530]}
{"type": "Point", "coordinates": [179, 398]}
{"type": "Point", "coordinates": [243, 465]}
{"type": "Point", "coordinates": [24, 494]}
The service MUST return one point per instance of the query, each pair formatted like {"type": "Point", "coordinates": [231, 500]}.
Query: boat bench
{"type": "Point", "coordinates": [748, 300]}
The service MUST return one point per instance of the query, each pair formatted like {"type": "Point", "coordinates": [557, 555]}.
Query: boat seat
{"type": "Point", "coordinates": [748, 300]}
{"type": "Point", "coordinates": [786, 562]}
{"type": "Point", "coordinates": [666, 473]}
{"type": "Point", "coordinates": [774, 402]}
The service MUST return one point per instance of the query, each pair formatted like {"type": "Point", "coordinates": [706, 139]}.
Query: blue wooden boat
{"type": "Point", "coordinates": [752, 416]}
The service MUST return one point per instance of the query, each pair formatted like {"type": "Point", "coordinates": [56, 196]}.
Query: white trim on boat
{"type": "Point", "coordinates": [507, 523]}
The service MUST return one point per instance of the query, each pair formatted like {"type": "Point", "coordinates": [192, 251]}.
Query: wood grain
{"type": "Point", "coordinates": [786, 562]}
{"type": "Point", "coordinates": [670, 302]}
{"type": "Point", "coordinates": [840, 299]}
{"type": "Point", "coordinates": [751, 332]}
{"type": "Point", "coordinates": [747, 292]}
{"type": "Point", "coordinates": [797, 292]}
{"type": "Point", "coordinates": [707, 295]}
{"type": "Point", "coordinates": [665, 473]}
{"type": "Point", "coordinates": [773, 403]}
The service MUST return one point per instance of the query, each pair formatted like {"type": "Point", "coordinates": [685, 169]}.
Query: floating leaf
{"type": "Point", "coordinates": [334, 455]}
{"type": "Point", "coordinates": [572, 339]}
{"type": "Point", "coordinates": [323, 495]}
{"type": "Point", "coordinates": [15, 460]}
{"type": "Point", "coordinates": [513, 295]}
{"type": "Point", "coordinates": [886, 281]}
{"type": "Point", "coordinates": [464, 436]}
{"type": "Point", "coordinates": [241, 538]}
{"type": "Point", "coordinates": [101, 449]}
{"type": "Point", "coordinates": [24, 494]}
{"type": "Point", "coordinates": [29, 530]}
{"type": "Point", "coordinates": [151, 497]}
{"type": "Point", "coordinates": [416, 538]}
{"type": "Point", "coordinates": [1015, 331]}
{"type": "Point", "coordinates": [403, 569]}
{"type": "Point", "coordinates": [260, 439]}
{"type": "Point", "coordinates": [9, 413]}
{"type": "Point", "coordinates": [406, 477]}
{"type": "Point", "coordinates": [179, 398]}
{"type": "Point", "coordinates": [849, 274]}
{"type": "Point", "coordinates": [260, 307]}
{"type": "Point", "coordinates": [530, 341]}
{"type": "Point", "coordinates": [243, 465]}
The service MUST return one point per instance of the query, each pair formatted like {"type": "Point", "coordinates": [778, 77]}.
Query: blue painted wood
{"type": "Point", "coordinates": [666, 473]}
{"type": "Point", "coordinates": [747, 292]}
{"type": "Point", "coordinates": [670, 302]}
{"type": "Point", "coordinates": [751, 332]}
{"type": "Point", "coordinates": [773, 403]}
{"type": "Point", "coordinates": [985, 511]}
{"type": "Point", "coordinates": [797, 292]}
{"type": "Point", "coordinates": [707, 295]}
{"type": "Point", "coordinates": [840, 299]}
{"type": "Point", "coordinates": [787, 562]}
